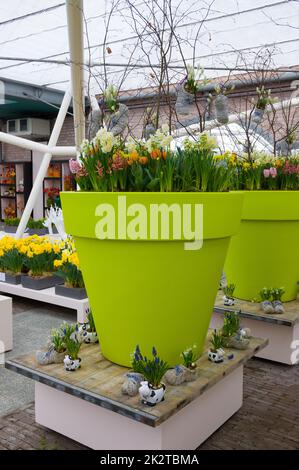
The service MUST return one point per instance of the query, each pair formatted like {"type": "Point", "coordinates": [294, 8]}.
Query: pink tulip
{"type": "Point", "coordinates": [273, 172]}
{"type": "Point", "coordinates": [266, 173]}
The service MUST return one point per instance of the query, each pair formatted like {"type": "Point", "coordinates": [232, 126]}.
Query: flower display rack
{"type": "Point", "coordinates": [48, 296]}
{"type": "Point", "coordinates": [88, 406]}
{"type": "Point", "coordinates": [282, 330]}
{"type": "Point", "coordinates": [15, 187]}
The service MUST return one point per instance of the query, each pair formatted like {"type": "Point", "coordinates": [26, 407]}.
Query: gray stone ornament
{"type": "Point", "coordinates": [119, 120]}
{"type": "Point", "coordinates": [132, 383]}
{"type": "Point", "coordinates": [180, 374]}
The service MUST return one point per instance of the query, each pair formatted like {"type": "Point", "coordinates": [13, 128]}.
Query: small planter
{"type": "Point", "coordinates": [50, 356]}
{"type": "Point", "coordinates": [228, 301]}
{"type": "Point", "coordinates": [72, 292]}
{"type": "Point", "coordinates": [2, 276]}
{"type": "Point", "coordinates": [71, 364]}
{"type": "Point", "coordinates": [38, 231]}
{"type": "Point", "coordinates": [221, 106]}
{"type": "Point", "coordinates": [149, 395]}
{"type": "Point", "coordinates": [39, 283]}
{"type": "Point", "coordinates": [132, 383]}
{"type": "Point", "coordinates": [258, 115]}
{"type": "Point", "coordinates": [216, 356]}
{"type": "Point", "coordinates": [236, 342]}
{"type": "Point", "coordinates": [180, 374]}
{"type": "Point", "coordinates": [13, 278]}
{"type": "Point", "coordinates": [10, 228]}
{"type": "Point", "coordinates": [184, 101]}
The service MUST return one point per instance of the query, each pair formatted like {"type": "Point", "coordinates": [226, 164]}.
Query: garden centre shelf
{"type": "Point", "coordinates": [15, 187]}
{"type": "Point", "coordinates": [282, 330]}
{"type": "Point", "coordinates": [88, 405]}
{"type": "Point", "coordinates": [48, 296]}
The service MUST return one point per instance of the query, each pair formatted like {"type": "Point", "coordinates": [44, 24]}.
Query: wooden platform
{"type": "Point", "coordinates": [66, 399]}
{"type": "Point", "coordinates": [48, 296]}
{"type": "Point", "coordinates": [282, 330]}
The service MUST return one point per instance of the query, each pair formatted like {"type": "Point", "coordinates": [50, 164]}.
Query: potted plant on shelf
{"type": "Point", "coordinates": [234, 335]}
{"type": "Point", "coordinates": [270, 218]}
{"type": "Point", "coordinates": [185, 372]}
{"type": "Point", "coordinates": [216, 352]}
{"type": "Point", "coordinates": [68, 269]}
{"type": "Point", "coordinates": [152, 389]}
{"type": "Point", "coordinates": [12, 259]}
{"type": "Point", "coordinates": [87, 331]}
{"type": "Point", "coordinates": [36, 227]}
{"type": "Point", "coordinates": [40, 255]}
{"type": "Point", "coordinates": [11, 224]}
{"type": "Point", "coordinates": [9, 212]}
{"type": "Point", "coordinates": [132, 204]}
{"type": "Point", "coordinates": [55, 352]}
{"type": "Point", "coordinates": [72, 361]}
{"type": "Point", "coordinates": [228, 298]}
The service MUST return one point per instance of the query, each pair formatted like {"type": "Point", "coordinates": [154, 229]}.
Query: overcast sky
{"type": "Point", "coordinates": [231, 28]}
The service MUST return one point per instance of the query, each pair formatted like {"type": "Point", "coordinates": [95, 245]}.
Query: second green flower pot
{"type": "Point", "coordinates": [265, 251]}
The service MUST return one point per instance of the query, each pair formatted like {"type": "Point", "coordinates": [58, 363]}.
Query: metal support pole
{"type": "Point", "coordinates": [37, 185]}
{"type": "Point", "coordinates": [74, 10]}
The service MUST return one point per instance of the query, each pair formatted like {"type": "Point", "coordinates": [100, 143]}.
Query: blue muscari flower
{"type": "Point", "coordinates": [137, 349]}
{"type": "Point", "coordinates": [157, 360]}
{"type": "Point", "coordinates": [154, 351]}
{"type": "Point", "coordinates": [136, 356]}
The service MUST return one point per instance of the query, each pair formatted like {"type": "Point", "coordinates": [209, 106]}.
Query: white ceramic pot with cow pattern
{"type": "Point", "coordinates": [71, 364]}
{"type": "Point", "coordinates": [149, 395]}
{"type": "Point", "coordinates": [216, 356]}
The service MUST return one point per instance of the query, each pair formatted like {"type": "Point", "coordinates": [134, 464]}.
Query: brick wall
{"type": "Point", "coordinates": [137, 109]}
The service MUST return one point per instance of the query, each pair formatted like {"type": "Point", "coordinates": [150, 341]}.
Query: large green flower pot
{"type": "Point", "coordinates": [150, 292]}
{"type": "Point", "coordinates": [265, 252]}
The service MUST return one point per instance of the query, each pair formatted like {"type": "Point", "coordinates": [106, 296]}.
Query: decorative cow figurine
{"type": "Point", "coordinates": [71, 364]}
{"type": "Point", "coordinates": [228, 301]}
{"type": "Point", "coordinates": [216, 356]}
{"type": "Point", "coordinates": [151, 396]}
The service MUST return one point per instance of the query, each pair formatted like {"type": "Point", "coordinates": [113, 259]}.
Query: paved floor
{"type": "Point", "coordinates": [32, 322]}
{"type": "Point", "coordinates": [269, 418]}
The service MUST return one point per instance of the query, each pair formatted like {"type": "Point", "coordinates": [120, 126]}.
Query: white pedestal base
{"type": "Point", "coordinates": [5, 324]}
{"type": "Point", "coordinates": [48, 296]}
{"type": "Point", "coordinates": [101, 429]}
{"type": "Point", "coordinates": [283, 340]}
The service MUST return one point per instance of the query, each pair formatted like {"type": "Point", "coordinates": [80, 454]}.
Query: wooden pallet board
{"type": "Point", "coordinates": [99, 381]}
{"type": "Point", "coordinates": [253, 310]}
